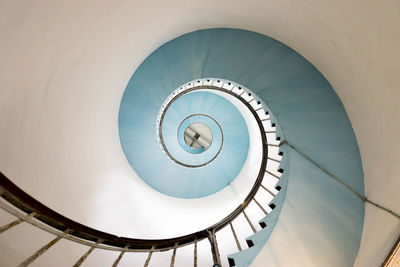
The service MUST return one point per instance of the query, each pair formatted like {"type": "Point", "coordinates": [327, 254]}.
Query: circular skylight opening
{"type": "Point", "coordinates": [198, 136]}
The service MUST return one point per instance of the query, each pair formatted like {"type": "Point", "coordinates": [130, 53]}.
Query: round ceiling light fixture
{"type": "Point", "coordinates": [195, 135]}
{"type": "Point", "coordinates": [198, 136]}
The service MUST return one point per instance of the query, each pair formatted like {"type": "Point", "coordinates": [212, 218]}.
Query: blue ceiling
{"type": "Point", "coordinates": [151, 163]}
{"type": "Point", "coordinates": [321, 216]}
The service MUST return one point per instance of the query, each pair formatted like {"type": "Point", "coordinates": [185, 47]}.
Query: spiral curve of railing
{"type": "Point", "coordinates": [27, 209]}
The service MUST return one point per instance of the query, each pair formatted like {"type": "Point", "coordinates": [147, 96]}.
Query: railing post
{"type": "Point", "coordinates": [120, 256]}
{"type": "Point", "coordinates": [278, 161]}
{"type": "Point", "coordinates": [146, 264]}
{"type": "Point", "coordinates": [235, 236]}
{"type": "Point", "coordinates": [16, 222]}
{"type": "Point", "coordinates": [248, 220]}
{"type": "Point", "coordinates": [261, 207]}
{"type": "Point", "coordinates": [272, 174]}
{"type": "Point", "coordinates": [173, 256]}
{"type": "Point", "coordinates": [269, 191]}
{"type": "Point", "coordinates": [83, 258]}
{"type": "Point", "coordinates": [41, 251]}
{"type": "Point", "coordinates": [214, 248]}
{"type": "Point", "coordinates": [195, 254]}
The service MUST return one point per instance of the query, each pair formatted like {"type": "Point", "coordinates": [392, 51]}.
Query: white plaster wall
{"type": "Point", "coordinates": [64, 65]}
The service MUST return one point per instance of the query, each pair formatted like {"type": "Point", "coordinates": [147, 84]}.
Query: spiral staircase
{"type": "Point", "coordinates": [107, 181]}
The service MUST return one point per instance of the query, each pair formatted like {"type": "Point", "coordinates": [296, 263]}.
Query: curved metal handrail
{"type": "Point", "coordinates": [23, 201]}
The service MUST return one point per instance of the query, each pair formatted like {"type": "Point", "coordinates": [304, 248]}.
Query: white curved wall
{"type": "Point", "coordinates": [64, 66]}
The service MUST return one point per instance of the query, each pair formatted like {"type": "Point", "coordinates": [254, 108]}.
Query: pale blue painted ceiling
{"type": "Point", "coordinates": [224, 159]}
{"type": "Point", "coordinates": [311, 207]}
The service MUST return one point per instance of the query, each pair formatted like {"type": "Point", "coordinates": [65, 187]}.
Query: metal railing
{"type": "Point", "coordinates": [27, 209]}
{"type": "Point", "coordinates": [393, 258]}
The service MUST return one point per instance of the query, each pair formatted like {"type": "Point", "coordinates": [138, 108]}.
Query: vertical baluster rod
{"type": "Point", "coordinates": [84, 256]}
{"type": "Point", "coordinates": [120, 257]}
{"type": "Point", "coordinates": [16, 222]}
{"type": "Point", "coordinates": [269, 191]}
{"type": "Point", "coordinates": [235, 236]}
{"type": "Point", "coordinates": [41, 251]}
{"type": "Point", "coordinates": [173, 256]}
{"type": "Point", "coordinates": [248, 220]}
{"type": "Point", "coordinates": [261, 207]}
{"type": "Point", "coordinates": [195, 254]}
{"type": "Point", "coordinates": [214, 248]}
{"type": "Point", "coordinates": [274, 145]}
{"type": "Point", "coordinates": [270, 173]}
{"type": "Point", "coordinates": [146, 264]}
{"type": "Point", "coordinates": [273, 159]}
